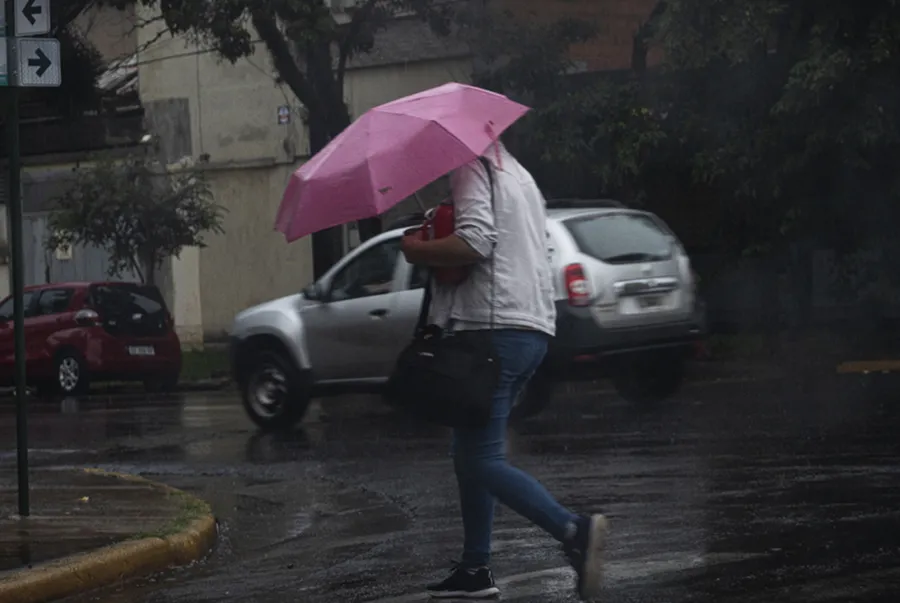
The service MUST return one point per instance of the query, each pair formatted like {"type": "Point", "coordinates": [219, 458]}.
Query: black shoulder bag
{"type": "Point", "coordinates": [447, 377]}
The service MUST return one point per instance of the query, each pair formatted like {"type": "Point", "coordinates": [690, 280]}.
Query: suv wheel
{"type": "Point", "coordinates": [650, 378]}
{"type": "Point", "coordinates": [71, 374]}
{"type": "Point", "coordinates": [534, 397]}
{"type": "Point", "coordinates": [273, 392]}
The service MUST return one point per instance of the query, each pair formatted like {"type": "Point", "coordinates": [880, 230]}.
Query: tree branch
{"type": "Point", "coordinates": [359, 19]}
{"type": "Point", "coordinates": [135, 266]}
{"type": "Point", "coordinates": [643, 35]}
{"type": "Point", "coordinates": [68, 12]}
{"type": "Point", "coordinates": [267, 28]}
{"type": "Point", "coordinates": [143, 47]}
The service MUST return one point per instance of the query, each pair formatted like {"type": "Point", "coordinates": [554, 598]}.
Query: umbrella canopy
{"type": "Point", "coordinates": [391, 152]}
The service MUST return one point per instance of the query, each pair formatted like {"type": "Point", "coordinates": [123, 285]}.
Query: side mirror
{"type": "Point", "coordinates": [315, 292]}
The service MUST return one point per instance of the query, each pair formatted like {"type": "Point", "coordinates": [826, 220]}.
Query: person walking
{"type": "Point", "coordinates": [500, 236]}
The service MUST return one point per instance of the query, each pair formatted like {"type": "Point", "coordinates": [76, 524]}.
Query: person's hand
{"type": "Point", "coordinates": [410, 245]}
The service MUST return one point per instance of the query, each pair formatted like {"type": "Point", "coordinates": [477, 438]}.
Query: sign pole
{"type": "Point", "coordinates": [17, 271]}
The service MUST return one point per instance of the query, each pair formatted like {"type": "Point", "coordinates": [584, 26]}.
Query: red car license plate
{"type": "Point", "coordinates": [141, 350]}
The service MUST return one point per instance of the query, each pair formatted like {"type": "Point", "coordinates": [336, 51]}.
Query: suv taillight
{"type": "Point", "coordinates": [87, 318]}
{"type": "Point", "coordinates": [577, 286]}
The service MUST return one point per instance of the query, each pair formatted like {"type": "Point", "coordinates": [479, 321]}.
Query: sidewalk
{"type": "Point", "coordinates": [88, 529]}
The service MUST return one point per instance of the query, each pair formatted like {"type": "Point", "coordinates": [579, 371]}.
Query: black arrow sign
{"type": "Point", "coordinates": [41, 61]}
{"type": "Point", "coordinates": [30, 11]}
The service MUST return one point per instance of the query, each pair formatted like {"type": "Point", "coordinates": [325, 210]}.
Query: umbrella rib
{"type": "Point", "coordinates": [450, 134]}
{"type": "Point", "coordinates": [399, 157]}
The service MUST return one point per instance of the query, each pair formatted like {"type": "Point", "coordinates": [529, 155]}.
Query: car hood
{"type": "Point", "coordinates": [291, 303]}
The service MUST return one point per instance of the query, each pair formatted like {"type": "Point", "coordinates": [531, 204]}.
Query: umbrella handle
{"type": "Point", "coordinates": [420, 202]}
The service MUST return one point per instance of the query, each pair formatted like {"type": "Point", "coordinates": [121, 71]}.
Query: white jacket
{"type": "Point", "coordinates": [522, 282]}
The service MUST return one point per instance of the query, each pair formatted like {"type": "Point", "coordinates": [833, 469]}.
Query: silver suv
{"type": "Point", "coordinates": [625, 295]}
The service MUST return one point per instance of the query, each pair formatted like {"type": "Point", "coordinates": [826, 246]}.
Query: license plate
{"type": "Point", "coordinates": [649, 302]}
{"type": "Point", "coordinates": [141, 350]}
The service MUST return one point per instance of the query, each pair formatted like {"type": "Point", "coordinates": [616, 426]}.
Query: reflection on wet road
{"type": "Point", "coordinates": [744, 492]}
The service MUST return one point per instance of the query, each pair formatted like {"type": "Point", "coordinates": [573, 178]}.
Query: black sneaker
{"type": "Point", "coordinates": [466, 583]}
{"type": "Point", "coordinates": [584, 550]}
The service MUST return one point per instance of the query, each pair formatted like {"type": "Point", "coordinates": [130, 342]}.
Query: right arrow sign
{"type": "Point", "coordinates": [39, 62]}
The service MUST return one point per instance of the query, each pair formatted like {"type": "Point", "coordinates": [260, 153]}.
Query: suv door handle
{"type": "Point", "coordinates": [380, 313]}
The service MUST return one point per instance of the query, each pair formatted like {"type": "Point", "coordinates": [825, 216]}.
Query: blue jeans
{"type": "Point", "coordinates": [479, 457]}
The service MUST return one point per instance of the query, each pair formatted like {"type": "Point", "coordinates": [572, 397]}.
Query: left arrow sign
{"type": "Point", "coordinates": [31, 10]}
{"type": "Point", "coordinates": [32, 17]}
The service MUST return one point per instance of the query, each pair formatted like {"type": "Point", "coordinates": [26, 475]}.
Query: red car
{"type": "Point", "coordinates": [76, 333]}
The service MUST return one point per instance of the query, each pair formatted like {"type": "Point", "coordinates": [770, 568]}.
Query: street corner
{"type": "Point", "coordinates": [866, 367]}
{"type": "Point", "coordinates": [95, 528]}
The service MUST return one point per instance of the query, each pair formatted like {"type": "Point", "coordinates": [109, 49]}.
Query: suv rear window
{"type": "Point", "coordinates": [130, 309]}
{"type": "Point", "coordinates": [621, 238]}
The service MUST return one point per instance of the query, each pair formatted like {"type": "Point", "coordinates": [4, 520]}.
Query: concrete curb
{"type": "Point", "coordinates": [205, 385]}
{"type": "Point", "coordinates": [864, 367]}
{"type": "Point", "coordinates": [115, 563]}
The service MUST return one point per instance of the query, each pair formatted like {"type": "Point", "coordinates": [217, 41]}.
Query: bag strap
{"type": "Point", "coordinates": [422, 321]}
{"type": "Point", "coordinates": [490, 175]}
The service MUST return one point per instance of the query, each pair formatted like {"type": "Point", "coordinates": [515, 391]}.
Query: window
{"type": "Point", "coordinates": [130, 309]}
{"type": "Point", "coordinates": [127, 299]}
{"type": "Point", "coordinates": [6, 308]}
{"type": "Point", "coordinates": [621, 238]}
{"type": "Point", "coordinates": [54, 301]}
{"type": "Point", "coordinates": [370, 273]}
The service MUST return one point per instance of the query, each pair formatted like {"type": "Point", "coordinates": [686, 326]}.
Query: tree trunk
{"type": "Point", "coordinates": [148, 265]}
{"type": "Point", "coordinates": [328, 245]}
{"type": "Point", "coordinates": [320, 89]}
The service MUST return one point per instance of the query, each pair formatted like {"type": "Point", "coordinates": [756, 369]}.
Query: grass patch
{"type": "Point", "coordinates": [189, 510]}
{"type": "Point", "coordinates": [204, 364]}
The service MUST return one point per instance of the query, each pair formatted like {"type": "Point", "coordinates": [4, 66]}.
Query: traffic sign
{"type": "Point", "coordinates": [39, 63]}
{"type": "Point", "coordinates": [32, 17]}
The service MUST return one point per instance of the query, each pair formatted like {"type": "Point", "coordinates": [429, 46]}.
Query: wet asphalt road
{"type": "Point", "coordinates": [735, 492]}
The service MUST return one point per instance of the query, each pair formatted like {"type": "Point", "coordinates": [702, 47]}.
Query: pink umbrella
{"type": "Point", "coordinates": [391, 152]}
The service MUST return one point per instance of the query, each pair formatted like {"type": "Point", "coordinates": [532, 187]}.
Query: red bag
{"type": "Point", "coordinates": [439, 223]}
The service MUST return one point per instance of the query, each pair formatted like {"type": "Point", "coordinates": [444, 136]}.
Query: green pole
{"type": "Point", "coordinates": [14, 209]}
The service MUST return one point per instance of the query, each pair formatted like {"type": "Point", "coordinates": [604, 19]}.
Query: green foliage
{"type": "Point", "coordinates": [309, 45]}
{"type": "Point", "coordinates": [587, 135]}
{"type": "Point", "coordinates": [225, 25]}
{"type": "Point", "coordinates": [81, 63]}
{"type": "Point", "coordinates": [793, 106]}
{"type": "Point", "coordinates": [310, 50]}
{"type": "Point", "coordinates": [599, 136]}
{"type": "Point", "coordinates": [786, 111]}
{"type": "Point", "coordinates": [137, 211]}
{"type": "Point", "coordinates": [529, 61]}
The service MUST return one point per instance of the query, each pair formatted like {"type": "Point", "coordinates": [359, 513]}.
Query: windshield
{"type": "Point", "coordinates": [127, 298]}
{"type": "Point", "coordinates": [621, 238]}
{"type": "Point", "coordinates": [6, 308]}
